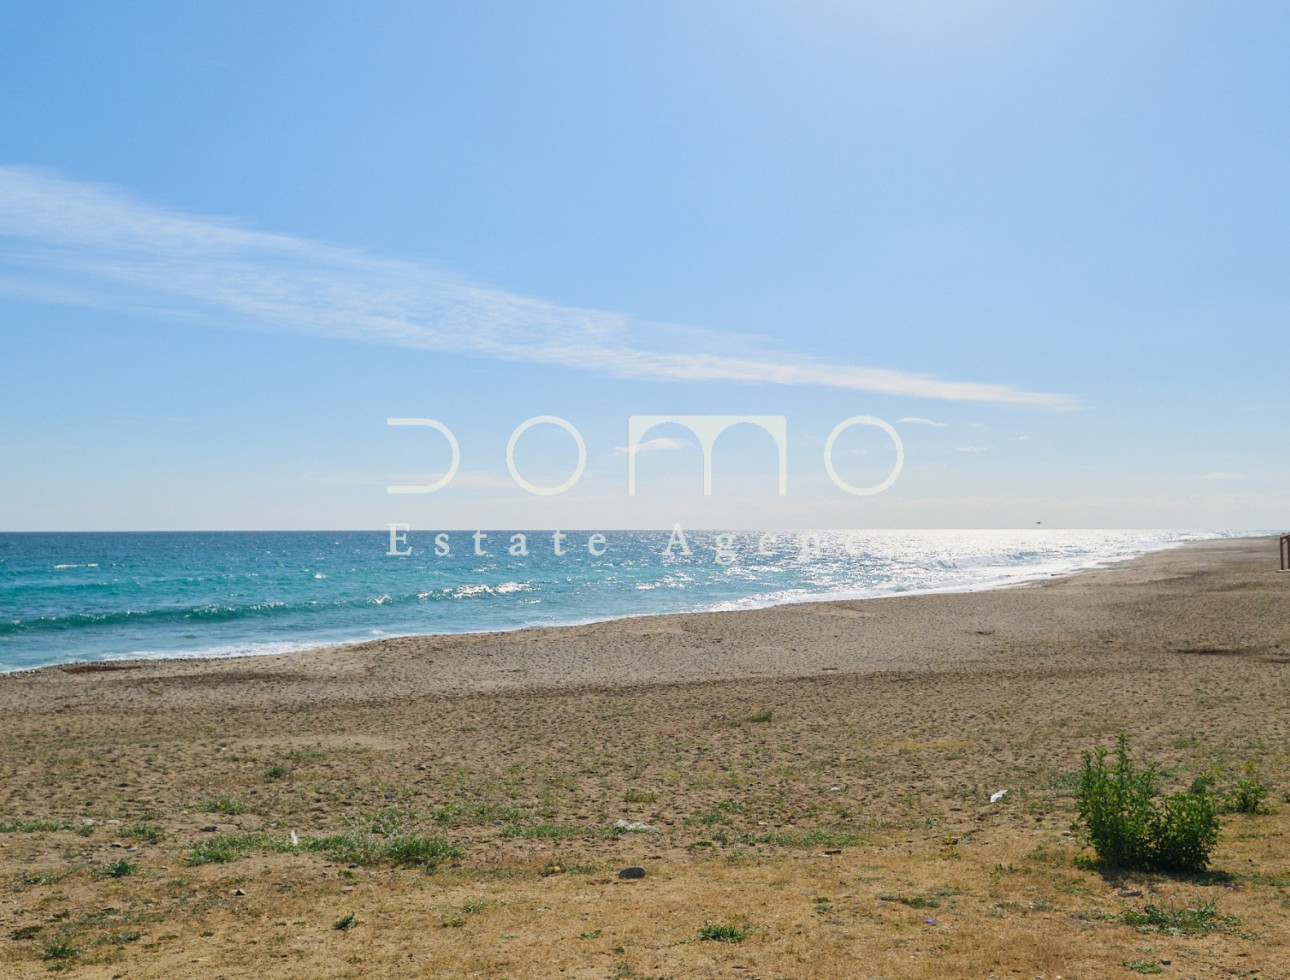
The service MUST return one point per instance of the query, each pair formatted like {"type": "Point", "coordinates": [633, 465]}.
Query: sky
{"type": "Point", "coordinates": [1043, 245]}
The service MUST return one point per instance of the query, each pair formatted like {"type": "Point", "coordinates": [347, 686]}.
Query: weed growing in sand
{"type": "Point", "coordinates": [913, 901]}
{"type": "Point", "coordinates": [1249, 794]}
{"type": "Point", "coordinates": [725, 933]}
{"type": "Point", "coordinates": [718, 814]}
{"type": "Point", "coordinates": [636, 796]}
{"type": "Point", "coordinates": [1173, 920]}
{"type": "Point", "coordinates": [43, 877]}
{"type": "Point", "coordinates": [762, 717]}
{"type": "Point", "coordinates": [145, 833]}
{"type": "Point", "coordinates": [224, 804]}
{"type": "Point", "coordinates": [117, 869]}
{"type": "Point", "coordinates": [1129, 828]}
{"type": "Point", "coordinates": [403, 852]}
{"type": "Point", "coordinates": [26, 932]}
{"type": "Point", "coordinates": [27, 826]}
{"type": "Point", "coordinates": [345, 923]}
{"type": "Point", "coordinates": [60, 951]}
{"type": "Point", "coordinates": [812, 838]}
{"type": "Point", "coordinates": [1143, 966]}
{"type": "Point", "coordinates": [222, 848]}
{"type": "Point", "coordinates": [279, 770]}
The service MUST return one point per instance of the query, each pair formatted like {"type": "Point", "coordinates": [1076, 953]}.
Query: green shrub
{"type": "Point", "coordinates": [1129, 827]}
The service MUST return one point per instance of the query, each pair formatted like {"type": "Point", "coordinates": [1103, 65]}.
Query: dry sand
{"type": "Point", "coordinates": [819, 774]}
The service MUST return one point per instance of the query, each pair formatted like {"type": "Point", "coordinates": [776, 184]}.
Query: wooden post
{"type": "Point", "coordinates": [1285, 552]}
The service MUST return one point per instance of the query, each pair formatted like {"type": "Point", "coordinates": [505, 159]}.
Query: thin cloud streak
{"type": "Point", "coordinates": [650, 446]}
{"type": "Point", "coordinates": [915, 420]}
{"type": "Point", "coordinates": [80, 244]}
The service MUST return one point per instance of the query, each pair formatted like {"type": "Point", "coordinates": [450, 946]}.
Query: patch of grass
{"type": "Point", "coordinates": [26, 932]}
{"type": "Point", "coordinates": [1249, 794]}
{"type": "Point", "coordinates": [60, 951]}
{"type": "Point", "coordinates": [636, 796]}
{"type": "Point", "coordinates": [145, 833]}
{"type": "Point", "coordinates": [1143, 966]}
{"type": "Point", "coordinates": [222, 848]}
{"type": "Point", "coordinates": [1129, 828]}
{"type": "Point", "coordinates": [279, 770]}
{"type": "Point", "coordinates": [32, 826]}
{"type": "Point", "coordinates": [43, 877]}
{"type": "Point", "coordinates": [726, 933]}
{"type": "Point", "coordinates": [765, 716]}
{"type": "Point", "coordinates": [345, 923]}
{"type": "Point", "coordinates": [477, 813]}
{"type": "Point", "coordinates": [819, 837]}
{"type": "Point", "coordinates": [122, 938]}
{"type": "Point", "coordinates": [913, 901]}
{"type": "Point", "coordinates": [404, 852]}
{"type": "Point", "coordinates": [1174, 920]}
{"type": "Point", "coordinates": [571, 868]}
{"type": "Point", "coordinates": [594, 934]}
{"type": "Point", "coordinates": [117, 869]}
{"type": "Point", "coordinates": [225, 804]}
{"type": "Point", "coordinates": [304, 755]}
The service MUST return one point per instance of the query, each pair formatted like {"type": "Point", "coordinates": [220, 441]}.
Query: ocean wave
{"type": "Point", "coordinates": [226, 612]}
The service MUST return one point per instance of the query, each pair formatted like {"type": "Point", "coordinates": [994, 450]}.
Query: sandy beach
{"type": "Point", "coordinates": [817, 777]}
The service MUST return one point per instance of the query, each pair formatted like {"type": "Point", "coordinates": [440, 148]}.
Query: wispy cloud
{"type": "Point", "coordinates": [77, 243]}
{"type": "Point", "coordinates": [915, 420]}
{"type": "Point", "coordinates": [971, 449]}
{"type": "Point", "coordinates": [1222, 476]}
{"type": "Point", "coordinates": [651, 446]}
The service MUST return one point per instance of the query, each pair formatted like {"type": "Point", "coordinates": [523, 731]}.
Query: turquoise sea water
{"type": "Point", "coordinates": [97, 596]}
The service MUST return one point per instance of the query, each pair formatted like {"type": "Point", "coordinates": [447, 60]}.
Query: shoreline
{"type": "Point", "coordinates": [1006, 581]}
{"type": "Point", "coordinates": [901, 633]}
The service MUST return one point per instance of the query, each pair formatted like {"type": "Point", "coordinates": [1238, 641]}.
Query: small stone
{"type": "Point", "coordinates": [238, 891]}
{"type": "Point", "coordinates": [1165, 961]}
{"type": "Point", "coordinates": [632, 873]}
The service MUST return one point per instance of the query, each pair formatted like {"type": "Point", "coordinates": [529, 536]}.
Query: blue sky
{"type": "Point", "coordinates": [1045, 242]}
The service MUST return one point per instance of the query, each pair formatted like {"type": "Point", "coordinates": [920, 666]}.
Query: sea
{"type": "Point", "coordinates": [82, 597]}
